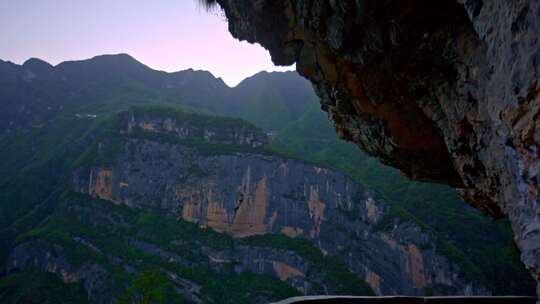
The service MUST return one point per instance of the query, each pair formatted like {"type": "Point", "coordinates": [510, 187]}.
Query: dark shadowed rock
{"type": "Point", "coordinates": [446, 91]}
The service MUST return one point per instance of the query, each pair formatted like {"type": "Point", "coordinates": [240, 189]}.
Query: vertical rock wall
{"type": "Point", "coordinates": [446, 91]}
{"type": "Point", "coordinates": [248, 194]}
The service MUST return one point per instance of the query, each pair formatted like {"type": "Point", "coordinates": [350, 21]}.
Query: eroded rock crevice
{"type": "Point", "coordinates": [446, 91]}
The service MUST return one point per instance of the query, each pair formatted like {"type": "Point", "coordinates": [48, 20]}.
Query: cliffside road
{"type": "Point", "coordinates": [409, 300]}
{"type": "Point", "coordinates": [446, 91]}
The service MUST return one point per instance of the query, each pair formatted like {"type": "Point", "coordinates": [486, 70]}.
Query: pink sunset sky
{"type": "Point", "coordinates": [167, 35]}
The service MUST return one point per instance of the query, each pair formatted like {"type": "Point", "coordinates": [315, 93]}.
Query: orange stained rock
{"type": "Point", "coordinates": [205, 207]}
{"type": "Point", "coordinates": [390, 241]}
{"type": "Point", "coordinates": [374, 281]}
{"type": "Point", "coordinates": [217, 217]}
{"type": "Point", "coordinates": [103, 184]}
{"type": "Point", "coordinates": [285, 271]}
{"type": "Point", "coordinates": [407, 134]}
{"type": "Point", "coordinates": [191, 205]}
{"type": "Point", "coordinates": [148, 126]}
{"type": "Point", "coordinates": [251, 212]}
{"type": "Point", "coordinates": [316, 211]}
{"type": "Point", "coordinates": [191, 212]}
{"type": "Point", "coordinates": [415, 266]}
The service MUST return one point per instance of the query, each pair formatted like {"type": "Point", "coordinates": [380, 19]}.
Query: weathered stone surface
{"type": "Point", "coordinates": [193, 127]}
{"type": "Point", "coordinates": [250, 194]}
{"type": "Point", "coordinates": [38, 256]}
{"type": "Point", "coordinates": [446, 91]}
{"type": "Point", "coordinates": [97, 281]}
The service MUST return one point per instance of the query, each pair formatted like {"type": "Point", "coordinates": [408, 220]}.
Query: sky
{"type": "Point", "coordinates": [168, 35]}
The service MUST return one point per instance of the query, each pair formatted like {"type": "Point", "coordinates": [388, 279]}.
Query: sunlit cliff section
{"type": "Point", "coordinates": [446, 91]}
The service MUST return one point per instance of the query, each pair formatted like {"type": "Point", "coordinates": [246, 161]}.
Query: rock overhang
{"type": "Point", "coordinates": [445, 91]}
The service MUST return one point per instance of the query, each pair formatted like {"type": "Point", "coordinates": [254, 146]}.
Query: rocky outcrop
{"type": "Point", "coordinates": [38, 256]}
{"type": "Point", "coordinates": [98, 281]}
{"type": "Point", "coordinates": [246, 194]}
{"type": "Point", "coordinates": [446, 91]}
{"type": "Point", "coordinates": [183, 126]}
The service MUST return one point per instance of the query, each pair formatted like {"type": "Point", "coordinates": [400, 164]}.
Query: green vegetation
{"type": "Point", "coordinates": [202, 146]}
{"type": "Point", "coordinates": [34, 172]}
{"type": "Point", "coordinates": [109, 140]}
{"type": "Point", "coordinates": [151, 286]}
{"type": "Point", "coordinates": [208, 4]}
{"type": "Point", "coordinates": [194, 119]}
{"type": "Point", "coordinates": [112, 231]}
{"type": "Point", "coordinates": [39, 288]}
{"type": "Point", "coordinates": [272, 100]}
{"type": "Point", "coordinates": [482, 247]}
{"type": "Point", "coordinates": [104, 142]}
{"type": "Point", "coordinates": [157, 229]}
{"type": "Point", "coordinates": [40, 152]}
{"type": "Point", "coordinates": [247, 288]}
{"type": "Point", "coordinates": [330, 267]}
{"type": "Point", "coordinates": [49, 217]}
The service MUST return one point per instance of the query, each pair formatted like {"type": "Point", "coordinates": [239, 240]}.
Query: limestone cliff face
{"type": "Point", "coordinates": [246, 194]}
{"type": "Point", "coordinates": [446, 91]}
{"type": "Point", "coordinates": [184, 126]}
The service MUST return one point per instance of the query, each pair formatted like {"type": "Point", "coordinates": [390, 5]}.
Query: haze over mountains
{"type": "Point", "coordinates": [36, 89]}
{"type": "Point", "coordinates": [61, 126]}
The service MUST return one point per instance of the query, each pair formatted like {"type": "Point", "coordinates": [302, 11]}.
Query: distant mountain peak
{"type": "Point", "coordinates": [118, 57]}
{"type": "Point", "coordinates": [115, 61]}
{"type": "Point", "coordinates": [121, 59]}
{"type": "Point", "coordinates": [264, 77]}
{"type": "Point", "coordinates": [37, 65]}
{"type": "Point", "coordinates": [33, 61]}
{"type": "Point", "coordinates": [190, 75]}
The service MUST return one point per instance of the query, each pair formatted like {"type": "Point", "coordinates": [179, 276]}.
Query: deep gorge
{"type": "Point", "coordinates": [173, 185]}
{"type": "Point", "coordinates": [445, 91]}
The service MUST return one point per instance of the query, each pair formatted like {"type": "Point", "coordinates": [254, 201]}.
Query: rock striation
{"type": "Point", "coordinates": [447, 91]}
{"type": "Point", "coordinates": [247, 194]}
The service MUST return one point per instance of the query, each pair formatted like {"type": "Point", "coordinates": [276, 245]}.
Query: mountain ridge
{"type": "Point", "coordinates": [62, 116]}
{"type": "Point", "coordinates": [90, 81]}
{"type": "Point", "coordinates": [128, 59]}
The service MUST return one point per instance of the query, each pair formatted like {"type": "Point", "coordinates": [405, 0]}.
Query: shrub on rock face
{"type": "Point", "coordinates": [151, 287]}
{"type": "Point", "coordinates": [208, 4]}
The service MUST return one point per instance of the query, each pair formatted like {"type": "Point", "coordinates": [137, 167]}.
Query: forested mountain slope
{"type": "Point", "coordinates": [64, 139]}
